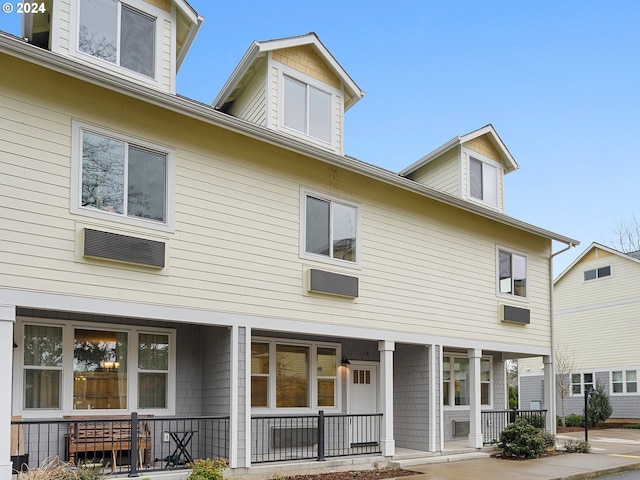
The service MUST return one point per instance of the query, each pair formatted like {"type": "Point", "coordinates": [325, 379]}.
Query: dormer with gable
{"type": "Point", "coordinates": [471, 167]}
{"type": "Point", "coordinates": [293, 86]}
{"type": "Point", "coordinates": [144, 41]}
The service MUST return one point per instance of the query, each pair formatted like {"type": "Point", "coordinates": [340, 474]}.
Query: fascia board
{"type": "Point", "coordinates": [497, 141]}
{"type": "Point", "coordinates": [454, 142]}
{"type": "Point", "coordinates": [206, 114]}
{"type": "Point", "coordinates": [238, 73]}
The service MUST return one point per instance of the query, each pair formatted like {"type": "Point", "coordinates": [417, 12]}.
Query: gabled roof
{"type": "Point", "coordinates": [632, 256]}
{"type": "Point", "coordinates": [353, 93]}
{"type": "Point", "coordinates": [509, 162]}
{"type": "Point", "coordinates": [189, 23]}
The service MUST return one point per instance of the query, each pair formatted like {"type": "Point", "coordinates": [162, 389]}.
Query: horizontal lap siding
{"type": "Point", "coordinates": [426, 267]}
{"type": "Point", "coordinates": [598, 319]}
{"type": "Point", "coordinates": [251, 105]}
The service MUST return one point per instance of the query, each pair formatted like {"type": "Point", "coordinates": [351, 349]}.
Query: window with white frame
{"type": "Point", "coordinates": [290, 375]}
{"type": "Point", "coordinates": [581, 382]}
{"type": "Point", "coordinates": [330, 228]}
{"type": "Point", "coordinates": [306, 109]}
{"type": "Point", "coordinates": [119, 34]}
{"type": "Point", "coordinates": [483, 180]}
{"type": "Point", "coordinates": [456, 383]}
{"type": "Point", "coordinates": [72, 368]}
{"type": "Point", "coordinates": [512, 273]}
{"type": "Point", "coordinates": [121, 178]}
{"type": "Point", "coordinates": [624, 381]}
{"type": "Point", "coordinates": [596, 273]}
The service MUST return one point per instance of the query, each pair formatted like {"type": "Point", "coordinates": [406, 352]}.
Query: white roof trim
{"type": "Point", "coordinates": [593, 245]}
{"type": "Point", "coordinates": [510, 163]}
{"type": "Point", "coordinates": [206, 114]}
{"type": "Point", "coordinates": [258, 48]}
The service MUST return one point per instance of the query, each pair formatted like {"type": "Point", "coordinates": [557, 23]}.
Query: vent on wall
{"type": "Point", "coordinates": [333, 283]}
{"type": "Point", "coordinates": [122, 248]}
{"type": "Point", "coordinates": [515, 314]}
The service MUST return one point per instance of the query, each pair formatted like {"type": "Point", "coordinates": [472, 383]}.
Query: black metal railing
{"type": "Point", "coordinates": [495, 421]}
{"type": "Point", "coordinates": [304, 437]}
{"type": "Point", "coordinates": [120, 444]}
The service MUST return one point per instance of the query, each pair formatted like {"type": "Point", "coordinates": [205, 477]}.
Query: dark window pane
{"type": "Point", "coordinates": [317, 225]}
{"type": "Point", "coordinates": [604, 271]}
{"type": "Point", "coordinates": [102, 172]}
{"type": "Point", "coordinates": [152, 390]}
{"type": "Point", "coordinates": [475, 178]}
{"type": "Point", "coordinates": [146, 192]}
{"type": "Point", "coordinates": [589, 275]}
{"type": "Point", "coordinates": [98, 29]}
{"type": "Point", "coordinates": [292, 376]}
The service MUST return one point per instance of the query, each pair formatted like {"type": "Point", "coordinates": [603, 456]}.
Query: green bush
{"type": "Point", "coordinates": [513, 397]}
{"type": "Point", "coordinates": [520, 439]}
{"type": "Point", "coordinates": [574, 420]}
{"type": "Point", "coordinates": [536, 420]}
{"type": "Point", "coordinates": [549, 440]}
{"type": "Point", "coordinates": [599, 408]}
{"type": "Point", "coordinates": [208, 469]}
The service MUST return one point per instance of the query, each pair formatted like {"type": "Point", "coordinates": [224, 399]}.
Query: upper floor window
{"type": "Point", "coordinates": [483, 181]}
{"type": "Point", "coordinates": [306, 109]}
{"type": "Point", "coordinates": [330, 228]}
{"type": "Point", "coordinates": [121, 177]}
{"type": "Point", "coordinates": [597, 273]}
{"type": "Point", "coordinates": [512, 273]}
{"type": "Point", "coordinates": [118, 34]}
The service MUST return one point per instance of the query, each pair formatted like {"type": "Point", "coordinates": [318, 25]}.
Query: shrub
{"type": "Point", "coordinates": [549, 440]}
{"type": "Point", "coordinates": [536, 420]}
{"type": "Point", "coordinates": [208, 469]}
{"type": "Point", "coordinates": [574, 420]}
{"type": "Point", "coordinates": [599, 408]}
{"type": "Point", "coordinates": [573, 445]}
{"type": "Point", "coordinates": [55, 469]}
{"type": "Point", "coordinates": [520, 439]}
{"type": "Point", "coordinates": [513, 397]}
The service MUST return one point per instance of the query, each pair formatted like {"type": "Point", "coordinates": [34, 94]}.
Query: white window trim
{"type": "Point", "coordinates": [468, 154]}
{"type": "Point", "coordinates": [304, 192]}
{"type": "Point", "coordinates": [284, 70]}
{"type": "Point", "coordinates": [160, 15]}
{"type": "Point", "coordinates": [452, 383]}
{"type": "Point", "coordinates": [76, 179]}
{"type": "Point", "coordinates": [598, 279]}
{"type": "Point", "coordinates": [624, 382]}
{"type": "Point", "coordinates": [66, 396]}
{"type": "Point", "coordinates": [313, 377]}
{"type": "Point", "coordinates": [511, 296]}
{"type": "Point", "coordinates": [582, 383]}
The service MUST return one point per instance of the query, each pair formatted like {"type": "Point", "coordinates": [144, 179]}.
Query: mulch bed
{"type": "Point", "coordinates": [355, 475]}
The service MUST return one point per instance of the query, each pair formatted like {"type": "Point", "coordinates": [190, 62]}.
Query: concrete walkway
{"type": "Point", "coordinates": [612, 451]}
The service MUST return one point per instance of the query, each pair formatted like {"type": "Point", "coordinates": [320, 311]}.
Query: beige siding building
{"type": "Point", "coordinates": [228, 269]}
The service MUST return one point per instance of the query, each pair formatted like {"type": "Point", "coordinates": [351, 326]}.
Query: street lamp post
{"type": "Point", "coordinates": [587, 394]}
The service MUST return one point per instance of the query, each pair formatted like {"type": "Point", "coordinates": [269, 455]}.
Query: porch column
{"type": "Point", "coordinates": [7, 319]}
{"type": "Point", "coordinates": [475, 421]}
{"type": "Point", "coordinates": [387, 443]}
{"type": "Point", "coordinates": [549, 394]}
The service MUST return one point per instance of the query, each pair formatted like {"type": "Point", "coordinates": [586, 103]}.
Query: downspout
{"type": "Point", "coordinates": [552, 387]}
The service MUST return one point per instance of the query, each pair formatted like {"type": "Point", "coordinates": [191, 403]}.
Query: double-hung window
{"type": "Point", "coordinates": [512, 273]}
{"type": "Point", "coordinates": [306, 109]}
{"type": "Point", "coordinates": [624, 381]}
{"type": "Point", "coordinates": [330, 229]}
{"type": "Point", "coordinates": [291, 375]}
{"type": "Point", "coordinates": [119, 34]}
{"type": "Point", "coordinates": [581, 382]}
{"type": "Point", "coordinates": [120, 177]}
{"type": "Point", "coordinates": [456, 386]}
{"type": "Point", "coordinates": [483, 181]}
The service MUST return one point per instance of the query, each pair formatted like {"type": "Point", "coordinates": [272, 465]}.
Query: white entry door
{"type": "Point", "coordinates": [363, 385]}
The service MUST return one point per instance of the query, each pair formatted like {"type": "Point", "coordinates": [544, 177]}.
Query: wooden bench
{"type": "Point", "coordinates": [91, 434]}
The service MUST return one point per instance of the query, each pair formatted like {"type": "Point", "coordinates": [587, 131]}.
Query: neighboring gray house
{"type": "Point", "coordinates": [596, 318]}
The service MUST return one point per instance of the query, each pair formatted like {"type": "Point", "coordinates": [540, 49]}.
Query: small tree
{"type": "Point", "coordinates": [564, 363]}
{"type": "Point", "coordinates": [599, 409]}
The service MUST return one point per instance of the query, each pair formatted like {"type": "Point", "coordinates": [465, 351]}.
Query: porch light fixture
{"type": "Point", "coordinates": [345, 361]}
{"type": "Point", "coordinates": [587, 393]}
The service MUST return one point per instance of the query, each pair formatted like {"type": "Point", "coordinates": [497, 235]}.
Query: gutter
{"type": "Point", "coordinates": [205, 113]}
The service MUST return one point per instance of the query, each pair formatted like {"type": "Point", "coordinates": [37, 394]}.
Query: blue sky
{"type": "Point", "coordinates": [558, 80]}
